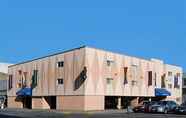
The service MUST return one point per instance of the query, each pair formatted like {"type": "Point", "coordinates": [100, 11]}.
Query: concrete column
{"type": "Point", "coordinates": [39, 103]}
{"type": "Point", "coordinates": [14, 102]}
{"type": "Point", "coordinates": [119, 103]}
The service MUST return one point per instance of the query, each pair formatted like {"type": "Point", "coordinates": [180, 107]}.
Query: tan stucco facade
{"type": "Point", "coordinates": [105, 77]}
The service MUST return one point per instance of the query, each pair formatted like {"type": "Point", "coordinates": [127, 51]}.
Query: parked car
{"type": "Point", "coordinates": [181, 109]}
{"type": "Point", "coordinates": [2, 102]}
{"type": "Point", "coordinates": [164, 107]}
{"type": "Point", "coordinates": [148, 107]}
{"type": "Point", "coordinates": [141, 108]}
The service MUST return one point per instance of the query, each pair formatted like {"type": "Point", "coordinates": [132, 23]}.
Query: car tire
{"type": "Point", "coordinates": [165, 111]}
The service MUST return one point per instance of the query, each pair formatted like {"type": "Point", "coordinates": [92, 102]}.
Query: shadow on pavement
{"type": "Point", "coordinates": [6, 116]}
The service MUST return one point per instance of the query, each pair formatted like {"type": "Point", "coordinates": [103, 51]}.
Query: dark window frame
{"type": "Point", "coordinates": [163, 84]}
{"type": "Point", "coordinates": [149, 78]}
{"type": "Point", "coordinates": [60, 64]}
{"type": "Point", "coordinates": [125, 75]}
{"type": "Point", "coordinates": [184, 81]}
{"type": "Point", "coordinates": [10, 82]}
{"type": "Point", "coordinates": [60, 81]}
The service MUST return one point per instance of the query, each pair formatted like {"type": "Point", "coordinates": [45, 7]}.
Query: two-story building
{"type": "Point", "coordinates": [87, 78]}
{"type": "Point", "coordinates": [184, 88]}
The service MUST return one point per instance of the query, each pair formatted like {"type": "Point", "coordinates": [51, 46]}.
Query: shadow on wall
{"type": "Point", "coordinates": [80, 79]}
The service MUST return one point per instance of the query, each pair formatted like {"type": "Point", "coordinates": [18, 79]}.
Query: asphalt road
{"type": "Point", "coordinates": [18, 113]}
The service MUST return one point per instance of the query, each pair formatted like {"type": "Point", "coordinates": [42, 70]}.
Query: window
{"type": "Point", "coordinates": [170, 86]}
{"type": "Point", "coordinates": [125, 75]}
{"type": "Point", "coordinates": [60, 81]}
{"type": "Point", "coordinates": [155, 77]}
{"type": "Point", "coordinates": [169, 73]}
{"type": "Point", "coordinates": [34, 78]}
{"type": "Point", "coordinates": [20, 81]}
{"type": "Point", "coordinates": [10, 82]}
{"type": "Point", "coordinates": [184, 81]}
{"type": "Point", "coordinates": [178, 75]}
{"type": "Point", "coordinates": [176, 85]}
{"type": "Point", "coordinates": [109, 80]}
{"type": "Point", "coordinates": [109, 62]}
{"type": "Point", "coordinates": [163, 81]}
{"type": "Point", "coordinates": [184, 91]}
{"type": "Point", "coordinates": [60, 63]}
{"type": "Point", "coordinates": [149, 78]}
{"type": "Point", "coordinates": [24, 82]}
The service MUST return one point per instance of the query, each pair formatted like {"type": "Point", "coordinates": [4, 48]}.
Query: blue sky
{"type": "Point", "coordinates": [143, 28]}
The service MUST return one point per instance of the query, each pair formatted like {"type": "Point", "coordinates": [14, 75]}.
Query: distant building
{"type": "Point", "coordinates": [4, 67]}
{"type": "Point", "coordinates": [3, 82]}
{"type": "Point", "coordinates": [87, 78]}
{"type": "Point", "coordinates": [184, 88]}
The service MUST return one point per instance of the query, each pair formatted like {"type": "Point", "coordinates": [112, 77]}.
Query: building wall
{"type": "Point", "coordinates": [71, 103]}
{"type": "Point", "coordinates": [3, 84]}
{"type": "Point", "coordinates": [13, 102]}
{"type": "Point", "coordinates": [90, 95]}
{"type": "Point", "coordinates": [39, 103]}
{"type": "Point", "coordinates": [4, 67]}
{"type": "Point", "coordinates": [176, 92]}
{"type": "Point", "coordinates": [98, 72]}
{"type": "Point", "coordinates": [49, 72]}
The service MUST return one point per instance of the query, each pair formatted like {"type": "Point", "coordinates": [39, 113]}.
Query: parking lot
{"type": "Point", "coordinates": [24, 113]}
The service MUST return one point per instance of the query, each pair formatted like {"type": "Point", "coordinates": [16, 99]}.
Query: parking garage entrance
{"type": "Point", "coordinates": [118, 102]}
{"type": "Point", "coordinates": [51, 100]}
{"type": "Point", "coordinates": [111, 102]}
{"type": "Point", "coordinates": [27, 102]}
{"type": "Point", "coordinates": [122, 102]}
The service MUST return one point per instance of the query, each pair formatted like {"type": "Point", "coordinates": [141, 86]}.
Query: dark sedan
{"type": "Point", "coordinates": [164, 107]}
{"type": "Point", "coordinates": [181, 110]}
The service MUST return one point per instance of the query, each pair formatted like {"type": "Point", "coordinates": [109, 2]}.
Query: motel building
{"type": "Point", "coordinates": [87, 79]}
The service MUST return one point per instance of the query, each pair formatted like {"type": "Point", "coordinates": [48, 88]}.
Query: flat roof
{"type": "Point", "coordinates": [84, 47]}
{"type": "Point", "coordinates": [47, 56]}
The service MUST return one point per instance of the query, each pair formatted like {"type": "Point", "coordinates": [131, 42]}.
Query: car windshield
{"type": "Point", "coordinates": [153, 103]}
{"type": "Point", "coordinates": [162, 103]}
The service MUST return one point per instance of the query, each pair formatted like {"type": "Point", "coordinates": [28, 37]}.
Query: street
{"type": "Point", "coordinates": [18, 113]}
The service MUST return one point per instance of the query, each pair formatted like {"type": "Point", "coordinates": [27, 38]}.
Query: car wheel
{"type": "Point", "coordinates": [165, 111]}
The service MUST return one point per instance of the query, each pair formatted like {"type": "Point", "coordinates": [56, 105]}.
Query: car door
{"type": "Point", "coordinates": [172, 105]}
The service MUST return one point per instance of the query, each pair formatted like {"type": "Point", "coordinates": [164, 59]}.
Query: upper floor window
{"type": "Point", "coordinates": [125, 75]}
{"type": "Point", "coordinates": [155, 77]}
{"type": "Point", "coordinates": [149, 78]}
{"type": "Point", "coordinates": [60, 63]}
{"type": "Point", "coordinates": [34, 78]}
{"type": "Point", "coordinates": [176, 81]}
{"type": "Point", "coordinates": [10, 82]}
{"type": "Point", "coordinates": [163, 81]}
{"type": "Point", "coordinates": [170, 86]}
{"type": "Point", "coordinates": [184, 81]}
{"type": "Point", "coordinates": [169, 73]}
{"type": "Point", "coordinates": [109, 62]}
{"type": "Point", "coordinates": [109, 80]}
{"type": "Point", "coordinates": [60, 81]}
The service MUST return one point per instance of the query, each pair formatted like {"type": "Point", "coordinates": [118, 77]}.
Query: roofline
{"type": "Point", "coordinates": [84, 46]}
{"type": "Point", "coordinates": [47, 56]}
{"type": "Point", "coordinates": [142, 58]}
